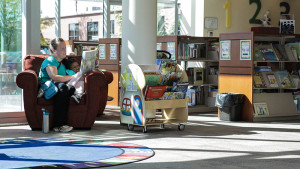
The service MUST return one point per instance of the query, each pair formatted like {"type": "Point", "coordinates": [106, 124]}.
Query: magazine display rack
{"type": "Point", "coordinates": [136, 111]}
{"type": "Point", "coordinates": [268, 91]}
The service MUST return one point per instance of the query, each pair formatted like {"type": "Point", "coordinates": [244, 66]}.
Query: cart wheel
{"type": "Point", "coordinates": [145, 129]}
{"type": "Point", "coordinates": [181, 127]}
{"type": "Point", "coordinates": [162, 126]}
{"type": "Point", "coordinates": [130, 127]}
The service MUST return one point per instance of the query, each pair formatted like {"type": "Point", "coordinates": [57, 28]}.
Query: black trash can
{"type": "Point", "coordinates": [230, 106]}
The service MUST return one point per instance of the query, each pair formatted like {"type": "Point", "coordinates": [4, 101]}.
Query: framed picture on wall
{"type": "Point", "coordinates": [261, 109]}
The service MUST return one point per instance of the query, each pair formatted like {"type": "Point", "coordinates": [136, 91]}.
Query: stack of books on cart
{"type": "Point", "coordinates": [165, 85]}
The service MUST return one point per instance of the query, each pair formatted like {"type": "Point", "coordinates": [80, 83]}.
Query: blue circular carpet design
{"type": "Point", "coordinates": [68, 153]}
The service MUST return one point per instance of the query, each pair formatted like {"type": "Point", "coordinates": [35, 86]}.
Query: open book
{"type": "Point", "coordinates": [88, 61]}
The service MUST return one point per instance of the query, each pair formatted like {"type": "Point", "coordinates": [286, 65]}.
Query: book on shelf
{"type": "Point", "coordinates": [280, 52]}
{"type": "Point", "coordinates": [173, 95]}
{"type": "Point", "coordinates": [271, 79]}
{"type": "Point", "coordinates": [259, 80]}
{"type": "Point", "coordinates": [169, 78]}
{"type": "Point", "coordinates": [295, 47]}
{"type": "Point", "coordinates": [155, 92]}
{"type": "Point", "coordinates": [268, 53]}
{"type": "Point", "coordinates": [257, 54]}
{"type": "Point", "coordinates": [285, 79]}
{"type": "Point", "coordinates": [153, 79]}
{"type": "Point", "coordinates": [191, 96]}
{"type": "Point", "coordinates": [180, 87]}
{"type": "Point", "coordinates": [290, 54]}
{"type": "Point", "coordinates": [195, 75]}
{"type": "Point", "coordinates": [167, 66]}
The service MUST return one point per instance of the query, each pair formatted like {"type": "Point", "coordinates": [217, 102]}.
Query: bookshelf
{"type": "Point", "coordinates": [238, 76]}
{"type": "Point", "coordinates": [199, 55]}
{"type": "Point", "coordinates": [109, 55]}
{"type": "Point", "coordinates": [77, 46]}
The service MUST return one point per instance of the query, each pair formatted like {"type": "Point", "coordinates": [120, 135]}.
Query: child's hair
{"type": "Point", "coordinates": [68, 62]}
{"type": "Point", "coordinates": [54, 43]}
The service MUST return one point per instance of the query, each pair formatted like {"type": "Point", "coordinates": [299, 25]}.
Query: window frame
{"type": "Point", "coordinates": [74, 35]}
{"type": "Point", "coordinates": [92, 33]}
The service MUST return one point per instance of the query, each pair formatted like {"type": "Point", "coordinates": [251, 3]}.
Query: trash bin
{"type": "Point", "coordinates": [230, 106]}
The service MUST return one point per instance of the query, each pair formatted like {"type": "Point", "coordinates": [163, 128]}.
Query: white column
{"type": "Point", "coordinates": [57, 19]}
{"type": "Point", "coordinates": [30, 27]}
{"type": "Point", "coordinates": [139, 32]}
{"type": "Point", "coordinates": [176, 17]}
{"type": "Point", "coordinates": [106, 19]}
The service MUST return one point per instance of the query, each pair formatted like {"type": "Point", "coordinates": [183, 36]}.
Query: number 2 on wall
{"type": "Point", "coordinates": [227, 6]}
{"type": "Point", "coordinates": [253, 20]}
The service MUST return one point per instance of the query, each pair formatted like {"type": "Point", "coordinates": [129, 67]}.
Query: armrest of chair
{"type": "Point", "coordinates": [109, 77]}
{"type": "Point", "coordinates": [27, 80]}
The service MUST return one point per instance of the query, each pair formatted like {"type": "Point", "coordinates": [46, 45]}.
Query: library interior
{"type": "Point", "coordinates": [195, 83]}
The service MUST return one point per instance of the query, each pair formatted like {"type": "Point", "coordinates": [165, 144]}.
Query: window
{"type": "Point", "coordinates": [10, 55]}
{"type": "Point", "coordinates": [92, 31]}
{"type": "Point", "coordinates": [112, 27]}
{"type": "Point", "coordinates": [74, 31]}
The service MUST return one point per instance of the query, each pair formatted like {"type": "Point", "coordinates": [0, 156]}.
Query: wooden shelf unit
{"type": "Point", "coordinates": [75, 44]}
{"type": "Point", "coordinates": [112, 65]}
{"type": "Point", "coordinates": [236, 76]}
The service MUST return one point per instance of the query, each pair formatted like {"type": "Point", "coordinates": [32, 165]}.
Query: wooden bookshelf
{"type": "Point", "coordinates": [236, 76]}
{"type": "Point", "coordinates": [110, 61]}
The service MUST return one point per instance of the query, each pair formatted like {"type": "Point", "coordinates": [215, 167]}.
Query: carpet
{"type": "Point", "coordinates": [68, 153]}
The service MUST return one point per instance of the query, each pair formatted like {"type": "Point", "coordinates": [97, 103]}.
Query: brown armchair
{"type": "Point", "coordinates": [80, 116]}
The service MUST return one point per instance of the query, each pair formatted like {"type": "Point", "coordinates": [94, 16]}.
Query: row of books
{"type": "Point", "coordinates": [277, 79]}
{"type": "Point", "coordinates": [160, 92]}
{"type": "Point", "coordinates": [188, 51]}
{"type": "Point", "coordinates": [277, 52]}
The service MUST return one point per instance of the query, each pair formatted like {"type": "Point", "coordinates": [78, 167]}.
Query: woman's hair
{"type": "Point", "coordinates": [54, 43]}
{"type": "Point", "coordinates": [68, 62]}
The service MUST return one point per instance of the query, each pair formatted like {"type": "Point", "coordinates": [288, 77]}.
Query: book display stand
{"type": "Point", "coordinates": [136, 111]}
{"type": "Point", "coordinates": [263, 81]}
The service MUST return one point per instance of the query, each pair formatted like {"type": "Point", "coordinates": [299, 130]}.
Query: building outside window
{"type": "Point", "coordinates": [10, 55]}
{"type": "Point", "coordinates": [92, 28]}
{"type": "Point", "coordinates": [74, 31]}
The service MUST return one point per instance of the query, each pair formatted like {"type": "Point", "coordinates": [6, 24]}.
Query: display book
{"type": "Point", "coordinates": [277, 52]}
{"type": "Point", "coordinates": [264, 77]}
{"type": "Point", "coordinates": [164, 84]}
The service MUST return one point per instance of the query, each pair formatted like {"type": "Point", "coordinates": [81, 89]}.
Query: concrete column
{"type": "Point", "coordinates": [139, 32]}
{"type": "Point", "coordinates": [106, 19]}
{"type": "Point", "coordinates": [57, 19]}
{"type": "Point", "coordinates": [31, 27]}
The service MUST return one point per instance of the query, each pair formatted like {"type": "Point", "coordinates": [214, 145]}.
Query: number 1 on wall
{"type": "Point", "coordinates": [227, 6]}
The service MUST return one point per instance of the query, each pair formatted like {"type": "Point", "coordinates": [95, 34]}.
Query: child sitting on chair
{"type": "Point", "coordinates": [73, 67]}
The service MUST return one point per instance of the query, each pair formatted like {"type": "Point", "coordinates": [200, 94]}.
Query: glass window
{"type": "Point", "coordinates": [10, 55]}
{"type": "Point", "coordinates": [92, 31]}
{"type": "Point", "coordinates": [74, 31]}
{"type": "Point", "coordinates": [112, 27]}
{"type": "Point", "coordinates": [165, 18]}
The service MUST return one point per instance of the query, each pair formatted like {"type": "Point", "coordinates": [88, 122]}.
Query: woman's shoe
{"type": "Point", "coordinates": [109, 98]}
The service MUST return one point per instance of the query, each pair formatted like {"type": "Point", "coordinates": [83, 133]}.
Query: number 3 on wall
{"type": "Point", "coordinates": [227, 6]}
{"type": "Point", "coordinates": [253, 20]}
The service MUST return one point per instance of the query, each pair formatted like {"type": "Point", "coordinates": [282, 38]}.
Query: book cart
{"type": "Point", "coordinates": [136, 111]}
{"type": "Point", "coordinates": [239, 75]}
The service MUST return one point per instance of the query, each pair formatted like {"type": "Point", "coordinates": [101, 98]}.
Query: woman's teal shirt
{"type": "Point", "coordinates": [50, 61]}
